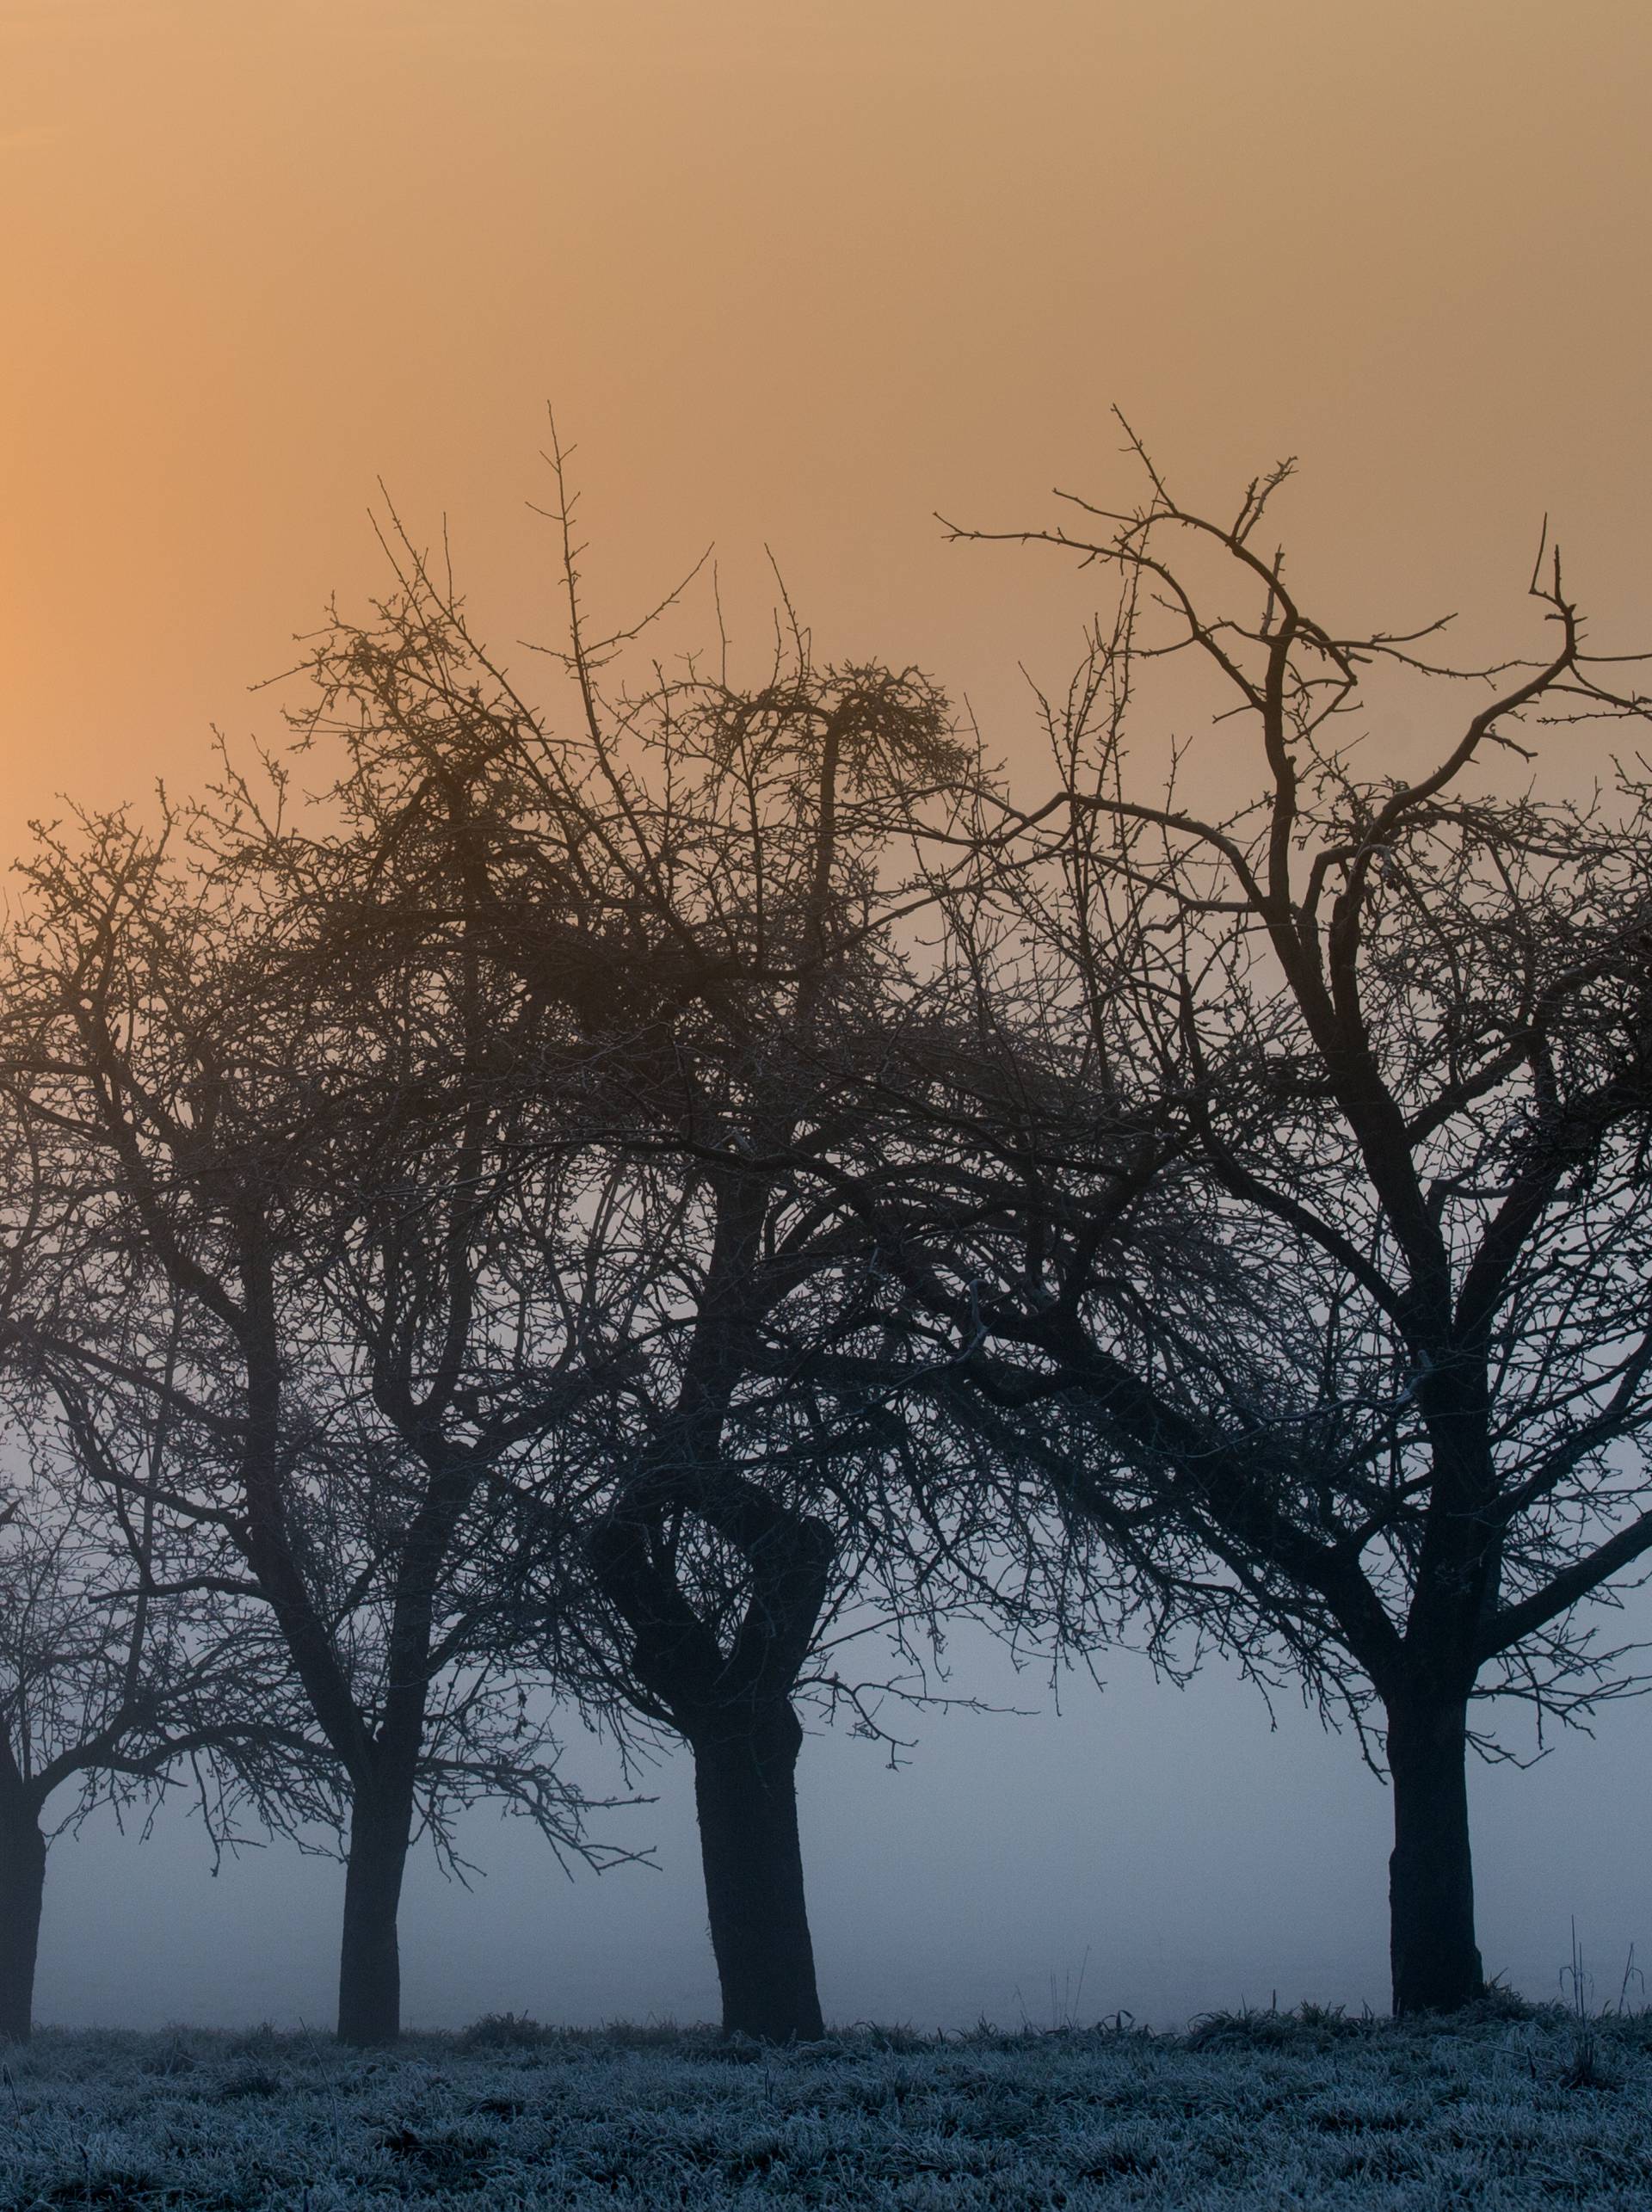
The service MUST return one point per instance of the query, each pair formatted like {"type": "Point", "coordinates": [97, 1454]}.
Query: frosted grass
{"type": "Point", "coordinates": [1268, 2110]}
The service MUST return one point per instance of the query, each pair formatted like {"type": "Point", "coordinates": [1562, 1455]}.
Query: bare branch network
{"type": "Point", "coordinates": [628, 1215]}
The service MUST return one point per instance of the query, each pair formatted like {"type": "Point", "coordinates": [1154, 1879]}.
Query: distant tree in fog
{"type": "Point", "coordinates": [286, 1177]}
{"type": "Point", "coordinates": [116, 1682]}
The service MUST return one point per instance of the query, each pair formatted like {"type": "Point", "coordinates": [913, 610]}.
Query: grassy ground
{"type": "Point", "coordinates": [1506, 2108]}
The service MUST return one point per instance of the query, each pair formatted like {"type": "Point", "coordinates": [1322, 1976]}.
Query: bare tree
{"type": "Point", "coordinates": [1327, 1204]}
{"type": "Point", "coordinates": [115, 1689]}
{"type": "Point", "coordinates": [699, 891]}
{"type": "Point", "coordinates": [111, 1684]}
{"type": "Point", "coordinates": [282, 1246]}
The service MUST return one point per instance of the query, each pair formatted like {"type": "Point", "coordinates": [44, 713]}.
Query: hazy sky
{"type": "Point", "coordinates": [798, 275]}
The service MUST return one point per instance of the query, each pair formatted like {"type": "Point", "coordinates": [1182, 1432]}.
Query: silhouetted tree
{"type": "Point", "coordinates": [697, 892]}
{"type": "Point", "coordinates": [282, 1244]}
{"type": "Point", "coordinates": [112, 1681]}
{"type": "Point", "coordinates": [1376, 1049]}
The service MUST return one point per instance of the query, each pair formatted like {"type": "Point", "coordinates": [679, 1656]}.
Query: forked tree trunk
{"type": "Point", "coordinates": [369, 1967]}
{"type": "Point", "coordinates": [22, 1884]}
{"type": "Point", "coordinates": [1436, 1964]}
{"type": "Point", "coordinates": [745, 1789]}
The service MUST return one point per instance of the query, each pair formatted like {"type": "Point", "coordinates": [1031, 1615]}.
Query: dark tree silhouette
{"type": "Point", "coordinates": [112, 1678]}
{"type": "Point", "coordinates": [696, 890]}
{"type": "Point", "coordinates": [1325, 1223]}
{"type": "Point", "coordinates": [115, 1685]}
{"type": "Point", "coordinates": [283, 1244]}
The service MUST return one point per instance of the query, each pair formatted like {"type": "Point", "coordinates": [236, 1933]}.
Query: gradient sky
{"type": "Point", "coordinates": [797, 273]}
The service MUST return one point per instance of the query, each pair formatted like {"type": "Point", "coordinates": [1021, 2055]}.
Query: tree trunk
{"type": "Point", "coordinates": [369, 1967]}
{"type": "Point", "coordinates": [22, 1884]}
{"type": "Point", "coordinates": [745, 1789]}
{"type": "Point", "coordinates": [1436, 1965]}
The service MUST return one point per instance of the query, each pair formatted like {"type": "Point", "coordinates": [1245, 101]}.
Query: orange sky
{"type": "Point", "coordinates": [797, 271]}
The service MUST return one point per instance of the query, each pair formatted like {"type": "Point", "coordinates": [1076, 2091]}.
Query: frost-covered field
{"type": "Point", "coordinates": [1270, 2111]}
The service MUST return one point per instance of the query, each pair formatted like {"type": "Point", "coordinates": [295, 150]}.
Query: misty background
{"type": "Point", "coordinates": [797, 275]}
{"type": "Point", "coordinates": [1199, 1857]}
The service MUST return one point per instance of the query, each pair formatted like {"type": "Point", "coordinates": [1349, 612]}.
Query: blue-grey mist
{"type": "Point", "coordinates": [1175, 1849]}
